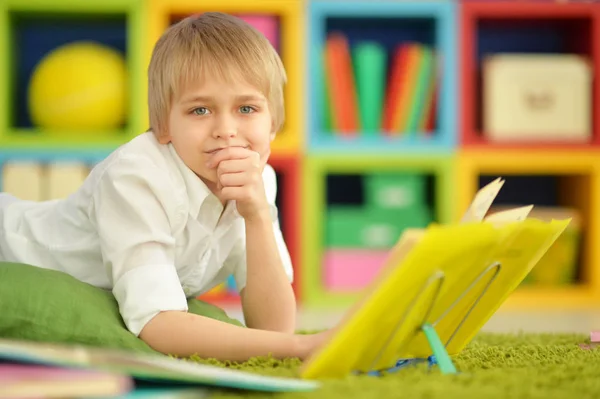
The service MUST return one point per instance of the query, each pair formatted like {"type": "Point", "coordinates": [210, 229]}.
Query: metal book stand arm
{"type": "Point", "coordinates": [439, 353]}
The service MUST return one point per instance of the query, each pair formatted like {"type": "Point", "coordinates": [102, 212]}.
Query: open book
{"type": "Point", "coordinates": [482, 202]}
{"type": "Point", "coordinates": [157, 371]}
{"type": "Point", "coordinates": [436, 290]}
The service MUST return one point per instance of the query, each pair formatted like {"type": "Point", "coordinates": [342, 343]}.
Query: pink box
{"type": "Point", "coordinates": [268, 25]}
{"type": "Point", "coordinates": [352, 269]}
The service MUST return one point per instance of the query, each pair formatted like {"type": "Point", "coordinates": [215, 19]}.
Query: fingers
{"type": "Point", "coordinates": [229, 153]}
{"type": "Point", "coordinates": [237, 179]}
{"type": "Point", "coordinates": [233, 166]}
{"type": "Point", "coordinates": [239, 153]}
{"type": "Point", "coordinates": [240, 194]}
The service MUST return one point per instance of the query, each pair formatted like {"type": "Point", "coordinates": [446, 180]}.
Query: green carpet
{"type": "Point", "coordinates": [492, 366]}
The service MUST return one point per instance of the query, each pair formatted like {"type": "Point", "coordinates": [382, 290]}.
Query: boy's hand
{"type": "Point", "coordinates": [239, 178]}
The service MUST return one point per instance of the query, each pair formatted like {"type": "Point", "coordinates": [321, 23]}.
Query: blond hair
{"type": "Point", "coordinates": [217, 45]}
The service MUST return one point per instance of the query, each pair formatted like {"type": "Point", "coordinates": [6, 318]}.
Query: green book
{"type": "Point", "coordinates": [326, 116]}
{"type": "Point", "coordinates": [370, 70]}
{"type": "Point", "coordinates": [418, 103]}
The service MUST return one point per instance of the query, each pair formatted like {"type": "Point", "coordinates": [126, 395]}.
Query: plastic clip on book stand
{"type": "Point", "coordinates": [439, 354]}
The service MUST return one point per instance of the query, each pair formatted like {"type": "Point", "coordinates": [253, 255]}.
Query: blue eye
{"type": "Point", "coordinates": [200, 111]}
{"type": "Point", "coordinates": [246, 109]}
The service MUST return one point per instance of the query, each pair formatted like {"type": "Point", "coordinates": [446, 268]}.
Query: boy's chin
{"type": "Point", "coordinates": [208, 177]}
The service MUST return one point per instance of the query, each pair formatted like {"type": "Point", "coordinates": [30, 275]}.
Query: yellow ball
{"type": "Point", "coordinates": [79, 86]}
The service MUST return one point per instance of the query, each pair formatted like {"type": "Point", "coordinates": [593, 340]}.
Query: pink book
{"type": "Point", "coordinates": [36, 381]}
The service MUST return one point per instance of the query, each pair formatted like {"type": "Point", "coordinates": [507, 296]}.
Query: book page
{"type": "Point", "coordinates": [482, 202]}
{"type": "Point", "coordinates": [509, 215]}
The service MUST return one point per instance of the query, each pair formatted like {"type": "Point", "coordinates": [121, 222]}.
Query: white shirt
{"type": "Point", "coordinates": [143, 225]}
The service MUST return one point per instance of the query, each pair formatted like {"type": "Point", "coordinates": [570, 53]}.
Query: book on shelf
{"type": "Point", "coordinates": [368, 92]}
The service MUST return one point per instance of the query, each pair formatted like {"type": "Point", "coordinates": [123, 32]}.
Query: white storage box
{"type": "Point", "coordinates": [537, 97]}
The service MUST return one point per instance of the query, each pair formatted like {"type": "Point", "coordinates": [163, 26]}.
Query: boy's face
{"type": "Point", "coordinates": [214, 115]}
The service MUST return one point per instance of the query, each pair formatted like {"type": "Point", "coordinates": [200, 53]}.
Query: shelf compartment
{"type": "Point", "coordinates": [386, 25]}
{"type": "Point", "coordinates": [568, 180]}
{"type": "Point", "coordinates": [40, 175]}
{"type": "Point", "coordinates": [50, 24]}
{"type": "Point", "coordinates": [534, 28]}
{"type": "Point", "coordinates": [336, 182]}
{"type": "Point", "coordinates": [289, 16]}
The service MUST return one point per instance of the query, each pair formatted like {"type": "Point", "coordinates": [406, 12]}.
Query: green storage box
{"type": "Point", "coordinates": [357, 227]}
{"type": "Point", "coordinates": [395, 190]}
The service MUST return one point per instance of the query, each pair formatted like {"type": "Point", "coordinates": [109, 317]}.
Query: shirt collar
{"type": "Point", "coordinates": [197, 191]}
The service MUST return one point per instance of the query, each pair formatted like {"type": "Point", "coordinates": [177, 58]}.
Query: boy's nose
{"type": "Point", "coordinates": [225, 133]}
{"type": "Point", "coordinates": [225, 129]}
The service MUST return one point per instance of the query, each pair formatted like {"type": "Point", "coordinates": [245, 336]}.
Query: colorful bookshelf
{"type": "Point", "coordinates": [280, 21]}
{"type": "Point", "coordinates": [378, 213]}
{"type": "Point", "coordinates": [488, 28]}
{"type": "Point", "coordinates": [572, 180]}
{"type": "Point", "coordinates": [356, 50]}
{"type": "Point", "coordinates": [32, 28]}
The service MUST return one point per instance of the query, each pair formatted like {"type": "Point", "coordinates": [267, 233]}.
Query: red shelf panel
{"type": "Point", "coordinates": [290, 167]}
{"type": "Point", "coordinates": [586, 40]}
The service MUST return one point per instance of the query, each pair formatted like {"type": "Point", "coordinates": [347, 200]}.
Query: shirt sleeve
{"type": "Point", "coordinates": [134, 209]}
{"type": "Point", "coordinates": [237, 257]}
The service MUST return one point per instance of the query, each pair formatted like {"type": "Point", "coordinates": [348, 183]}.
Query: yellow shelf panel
{"type": "Point", "coordinates": [553, 298]}
{"type": "Point", "coordinates": [290, 140]}
{"type": "Point", "coordinates": [530, 161]}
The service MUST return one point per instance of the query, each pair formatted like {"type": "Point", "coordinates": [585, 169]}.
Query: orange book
{"type": "Point", "coordinates": [340, 76]}
{"type": "Point", "coordinates": [409, 79]}
{"type": "Point", "coordinates": [394, 86]}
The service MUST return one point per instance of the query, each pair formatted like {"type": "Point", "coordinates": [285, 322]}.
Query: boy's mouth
{"type": "Point", "coordinates": [215, 150]}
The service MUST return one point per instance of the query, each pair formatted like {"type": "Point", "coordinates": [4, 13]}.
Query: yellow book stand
{"type": "Point", "coordinates": [438, 288]}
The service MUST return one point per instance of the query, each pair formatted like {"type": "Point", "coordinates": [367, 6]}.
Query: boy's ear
{"type": "Point", "coordinates": [164, 138]}
{"type": "Point", "coordinates": [273, 132]}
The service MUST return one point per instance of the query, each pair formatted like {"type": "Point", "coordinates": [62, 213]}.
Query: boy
{"type": "Point", "coordinates": [173, 212]}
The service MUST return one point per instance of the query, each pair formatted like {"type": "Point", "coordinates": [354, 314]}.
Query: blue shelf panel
{"type": "Point", "coordinates": [332, 142]}
{"type": "Point", "coordinates": [87, 156]}
{"type": "Point", "coordinates": [388, 23]}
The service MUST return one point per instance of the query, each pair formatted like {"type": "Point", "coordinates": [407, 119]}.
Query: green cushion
{"type": "Point", "coordinates": [49, 306]}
